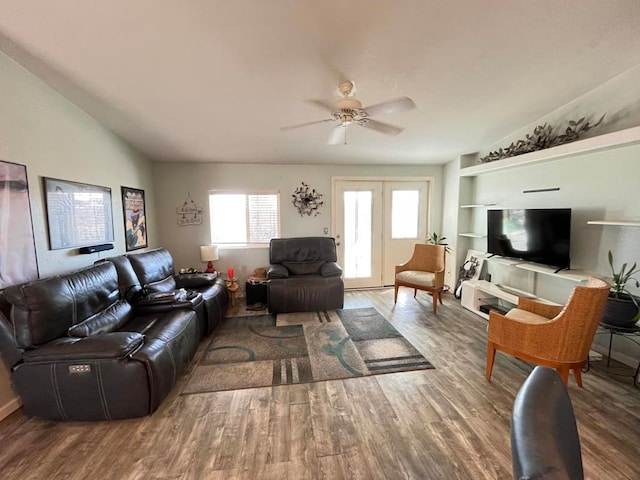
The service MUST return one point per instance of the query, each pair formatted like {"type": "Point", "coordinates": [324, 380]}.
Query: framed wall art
{"type": "Point", "coordinates": [18, 261]}
{"type": "Point", "coordinates": [78, 214]}
{"type": "Point", "coordinates": [135, 219]}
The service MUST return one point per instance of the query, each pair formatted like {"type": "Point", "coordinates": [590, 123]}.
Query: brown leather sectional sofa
{"type": "Point", "coordinates": [78, 348]}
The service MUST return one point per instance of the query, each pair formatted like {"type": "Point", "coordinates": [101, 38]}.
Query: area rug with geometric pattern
{"type": "Point", "coordinates": [264, 350]}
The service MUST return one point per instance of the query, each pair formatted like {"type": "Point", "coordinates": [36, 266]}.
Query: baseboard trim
{"type": "Point", "coordinates": [8, 408]}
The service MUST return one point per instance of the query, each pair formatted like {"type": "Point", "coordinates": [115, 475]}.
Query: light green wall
{"type": "Point", "coordinates": [174, 181]}
{"type": "Point", "coordinates": [51, 136]}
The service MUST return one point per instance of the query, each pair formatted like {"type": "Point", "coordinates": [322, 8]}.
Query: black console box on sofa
{"type": "Point", "coordinates": [304, 275]}
{"type": "Point", "coordinates": [77, 350]}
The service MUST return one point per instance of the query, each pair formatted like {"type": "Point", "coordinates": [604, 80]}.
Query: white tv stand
{"type": "Point", "coordinates": [476, 293]}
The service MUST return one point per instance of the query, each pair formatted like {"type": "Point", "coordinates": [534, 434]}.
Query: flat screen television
{"type": "Point", "coordinates": [539, 235]}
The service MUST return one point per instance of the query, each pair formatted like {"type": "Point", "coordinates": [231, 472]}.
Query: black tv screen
{"type": "Point", "coordinates": [539, 235]}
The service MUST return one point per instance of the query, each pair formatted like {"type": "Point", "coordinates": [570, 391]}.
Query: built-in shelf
{"type": "Point", "coordinates": [571, 275]}
{"type": "Point", "coordinates": [617, 223]}
{"type": "Point", "coordinates": [476, 293]}
{"type": "Point", "coordinates": [472, 235]}
{"type": "Point", "coordinates": [478, 205]}
{"type": "Point", "coordinates": [504, 261]}
{"type": "Point", "coordinates": [619, 139]}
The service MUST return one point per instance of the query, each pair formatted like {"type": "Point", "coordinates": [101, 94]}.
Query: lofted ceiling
{"type": "Point", "coordinates": [213, 81]}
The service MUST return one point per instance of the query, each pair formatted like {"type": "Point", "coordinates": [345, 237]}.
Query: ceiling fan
{"type": "Point", "coordinates": [348, 110]}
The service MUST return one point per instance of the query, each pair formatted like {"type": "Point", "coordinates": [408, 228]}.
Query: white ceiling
{"type": "Point", "coordinates": [214, 81]}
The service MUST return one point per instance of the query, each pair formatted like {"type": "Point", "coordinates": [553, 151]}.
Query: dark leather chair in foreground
{"type": "Point", "coordinates": [544, 436]}
{"type": "Point", "coordinates": [304, 275]}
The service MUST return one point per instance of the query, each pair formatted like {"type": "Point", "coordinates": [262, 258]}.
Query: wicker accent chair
{"type": "Point", "coordinates": [423, 271]}
{"type": "Point", "coordinates": [550, 335]}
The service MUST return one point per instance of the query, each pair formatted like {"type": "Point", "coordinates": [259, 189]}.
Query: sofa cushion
{"type": "Point", "coordinates": [130, 287]}
{"type": "Point", "coordinates": [106, 321]}
{"type": "Point", "coordinates": [415, 277]}
{"type": "Point", "coordinates": [302, 249]}
{"type": "Point", "coordinates": [45, 309]}
{"type": "Point", "coordinates": [303, 268]}
{"type": "Point", "coordinates": [165, 285]}
{"type": "Point", "coordinates": [152, 266]}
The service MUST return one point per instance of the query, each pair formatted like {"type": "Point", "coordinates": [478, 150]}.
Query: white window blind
{"type": "Point", "coordinates": [244, 218]}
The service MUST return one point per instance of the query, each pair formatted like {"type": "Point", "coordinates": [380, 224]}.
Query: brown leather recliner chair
{"type": "Point", "coordinates": [304, 275]}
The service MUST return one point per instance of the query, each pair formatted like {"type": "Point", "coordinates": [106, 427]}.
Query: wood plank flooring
{"type": "Point", "coordinates": [446, 423]}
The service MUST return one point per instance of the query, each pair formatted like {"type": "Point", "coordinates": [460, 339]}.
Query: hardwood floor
{"type": "Point", "coordinates": [445, 423]}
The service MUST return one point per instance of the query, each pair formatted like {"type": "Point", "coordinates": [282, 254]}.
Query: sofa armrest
{"type": "Point", "coordinates": [539, 308]}
{"type": "Point", "coordinates": [195, 280]}
{"type": "Point", "coordinates": [149, 306]}
{"type": "Point", "coordinates": [330, 269]}
{"type": "Point", "coordinates": [108, 345]}
{"type": "Point", "coordinates": [278, 271]}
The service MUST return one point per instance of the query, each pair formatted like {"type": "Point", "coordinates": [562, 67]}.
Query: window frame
{"type": "Point", "coordinates": [246, 193]}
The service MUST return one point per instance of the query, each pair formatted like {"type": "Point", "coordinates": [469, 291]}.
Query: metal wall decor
{"type": "Point", "coordinates": [307, 200]}
{"type": "Point", "coordinates": [543, 137]}
{"type": "Point", "coordinates": [189, 213]}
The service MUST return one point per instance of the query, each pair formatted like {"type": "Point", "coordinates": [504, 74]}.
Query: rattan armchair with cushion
{"type": "Point", "coordinates": [423, 271]}
{"type": "Point", "coordinates": [550, 335]}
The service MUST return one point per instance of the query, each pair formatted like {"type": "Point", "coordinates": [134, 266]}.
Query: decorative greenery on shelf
{"type": "Point", "coordinates": [543, 137]}
{"type": "Point", "coordinates": [307, 200]}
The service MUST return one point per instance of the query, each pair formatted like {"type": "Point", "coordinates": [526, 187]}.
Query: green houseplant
{"type": "Point", "coordinates": [435, 239]}
{"type": "Point", "coordinates": [622, 308]}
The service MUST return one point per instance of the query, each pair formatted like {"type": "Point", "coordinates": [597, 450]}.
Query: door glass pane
{"type": "Point", "coordinates": [357, 234]}
{"type": "Point", "coordinates": [404, 213]}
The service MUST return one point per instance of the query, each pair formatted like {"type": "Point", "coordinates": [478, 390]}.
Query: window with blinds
{"type": "Point", "coordinates": [244, 218]}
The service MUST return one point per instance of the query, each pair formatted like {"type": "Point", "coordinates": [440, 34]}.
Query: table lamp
{"type": "Point", "coordinates": [209, 253]}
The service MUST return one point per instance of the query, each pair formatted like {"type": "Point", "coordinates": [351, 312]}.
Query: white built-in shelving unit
{"type": "Point", "coordinates": [615, 223]}
{"type": "Point", "coordinates": [609, 141]}
{"type": "Point", "coordinates": [478, 290]}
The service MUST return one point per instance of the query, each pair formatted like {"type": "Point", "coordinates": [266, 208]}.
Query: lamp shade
{"type": "Point", "coordinates": [208, 253]}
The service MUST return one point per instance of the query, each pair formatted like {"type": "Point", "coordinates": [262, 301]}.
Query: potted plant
{"type": "Point", "coordinates": [435, 239]}
{"type": "Point", "coordinates": [622, 308]}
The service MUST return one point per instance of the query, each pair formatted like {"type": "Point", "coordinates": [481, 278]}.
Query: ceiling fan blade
{"type": "Point", "coordinates": [299, 125]}
{"type": "Point", "coordinates": [382, 127]}
{"type": "Point", "coordinates": [328, 106]}
{"type": "Point", "coordinates": [337, 135]}
{"type": "Point", "coordinates": [400, 104]}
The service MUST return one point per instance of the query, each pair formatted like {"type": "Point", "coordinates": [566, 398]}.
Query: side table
{"type": "Point", "coordinates": [232, 288]}
{"type": "Point", "coordinates": [631, 333]}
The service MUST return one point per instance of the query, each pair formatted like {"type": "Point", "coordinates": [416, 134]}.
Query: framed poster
{"type": "Point", "coordinates": [78, 214]}
{"type": "Point", "coordinates": [18, 261]}
{"type": "Point", "coordinates": [135, 220]}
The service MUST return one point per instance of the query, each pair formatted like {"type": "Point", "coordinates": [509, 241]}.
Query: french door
{"type": "Point", "coordinates": [376, 224]}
